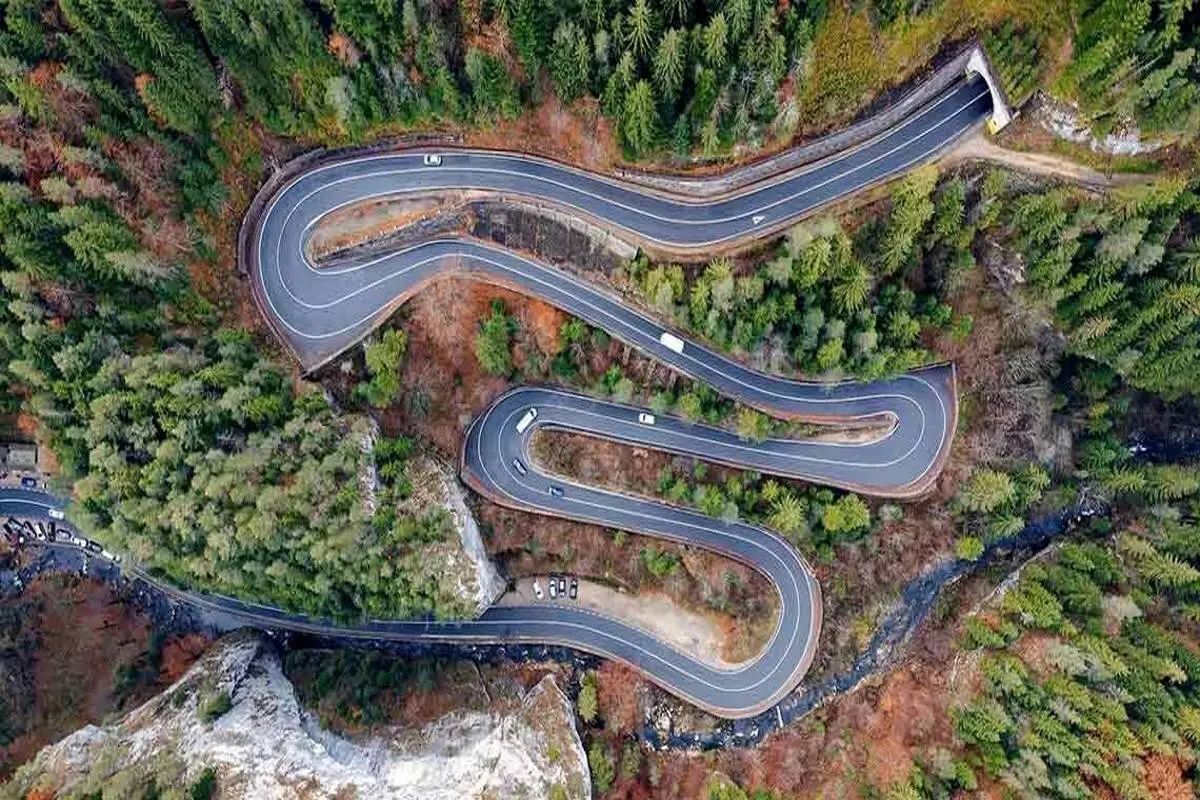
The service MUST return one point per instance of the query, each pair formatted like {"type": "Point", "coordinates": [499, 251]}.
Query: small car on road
{"type": "Point", "coordinates": [432, 160]}
{"type": "Point", "coordinates": [646, 419]}
{"type": "Point", "coordinates": [556, 491]}
{"type": "Point", "coordinates": [518, 466]}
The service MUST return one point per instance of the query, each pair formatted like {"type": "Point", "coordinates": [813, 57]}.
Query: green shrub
{"type": "Point", "coordinates": [215, 706]}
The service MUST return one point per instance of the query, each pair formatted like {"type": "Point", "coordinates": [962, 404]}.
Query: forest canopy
{"type": "Point", "coordinates": [131, 135]}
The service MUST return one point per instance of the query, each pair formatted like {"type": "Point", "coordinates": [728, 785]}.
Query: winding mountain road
{"type": "Point", "coordinates": [320, 311]}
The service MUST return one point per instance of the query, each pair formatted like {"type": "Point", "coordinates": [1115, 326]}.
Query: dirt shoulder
{"type": "Point", "coordinates": [702, 636]}
{"type": "Point", "coordinates": [980, 148]}
{"type": "Point", "coordinates": [738, 606]}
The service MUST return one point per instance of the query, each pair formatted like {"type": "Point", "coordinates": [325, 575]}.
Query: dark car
{"type": "Point", "coordinates": [574, 588]}
{"type": "Point", "coordinates": [94, 547]}
{"type": "Point", "coordinates": [562, 584]}
{"type": "Point", "coordinates": [29, 483]}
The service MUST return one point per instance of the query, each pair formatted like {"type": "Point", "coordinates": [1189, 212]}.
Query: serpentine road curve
{"type": "Point", "coordinates": [319, 312]}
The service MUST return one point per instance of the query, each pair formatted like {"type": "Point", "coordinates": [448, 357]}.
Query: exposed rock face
{"type": "Point", "coordinates": [266, 746]}
{"type": "Point", "coordinates": [469, 573]}
{"type": "Point", "coordinates": [1065, 122]}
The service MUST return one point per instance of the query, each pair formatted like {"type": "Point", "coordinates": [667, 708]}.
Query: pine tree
{"type": "Point", "coordinates": [668, 65]}
{"type": "Point", "coordinates": [789, 513]}
{"type": "Point", "coordinates": [641, 29]}
{"type": "Point", "coordinates": [713, 41]}
{"type": "Point", "coordinates": [570, 61]}
{"type": "Point", "coordinates": [639, 120]}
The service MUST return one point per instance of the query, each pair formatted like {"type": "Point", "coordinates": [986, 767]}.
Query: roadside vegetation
{"type": "Point", "coordinates": [72, 652]}
{"type": "Point", "coordinates": [132, 135]}
{"type": "Point", "coordinates": [827, 302]}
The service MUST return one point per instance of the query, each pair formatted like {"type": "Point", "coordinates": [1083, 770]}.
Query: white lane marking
{"type": "Point", "coordinates": [636, 189]}
{"type": "Point", "coordinates": [593, 196]}
{"type": "Point", "coordinates": [709, 526]}
{"type": "Point", "coordinates": [400, 272]}
{"type": "Point", "coordinates": [704, 366]}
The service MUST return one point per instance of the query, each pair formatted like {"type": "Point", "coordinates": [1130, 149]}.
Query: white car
{"type": "Point", "coordinates": [553, 588]}
{"type": "Point", "coordinates": [646, 419]}
{"type": "Point", "coordinates": [56, 514]}
{"type": "Point", "coordinates": [671, 342]}
{"type": "Point", "coordinates": [537, 590]}
{"type": "Point", "coordinates": [432, 160]}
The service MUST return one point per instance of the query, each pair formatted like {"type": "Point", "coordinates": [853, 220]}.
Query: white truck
{"type": "Point", "coordinates": [671, 342]}
{"type": "Point", "coordinates": [526, 420]}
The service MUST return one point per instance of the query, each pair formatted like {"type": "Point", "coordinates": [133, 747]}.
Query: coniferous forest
{"type": "Point", "coordinates": [133, 134]}
{"type": "Point", "coordinates": [127, 156]}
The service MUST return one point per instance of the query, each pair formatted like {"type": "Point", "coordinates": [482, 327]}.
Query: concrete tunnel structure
{"type": "Point", "coordinates": [978, 64]}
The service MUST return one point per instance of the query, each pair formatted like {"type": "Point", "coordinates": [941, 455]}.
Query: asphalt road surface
{"type": "Point", "coordinates": [321, 311]}
{"type": "Point", "coordinates": [27, 503]}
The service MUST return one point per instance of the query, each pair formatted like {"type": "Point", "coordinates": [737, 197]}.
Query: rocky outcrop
{"type": "Point", "coordinates": [467, 571]}
{"type": "Point", "coordinates": [1066, 122]}
{"type": "Point", "coordinates": [266, 746]}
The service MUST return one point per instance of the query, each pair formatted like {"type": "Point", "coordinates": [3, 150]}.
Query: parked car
{"type": "Point", "coordinates": [29, 483]}
{"type": "Point", "coordinates": [518, 466]}
{"type": "Point", "coordinates": [537, 590]}
{"type": "Point", "coordinates": [56, 513]}
{"type": "Point", "coordinates": [646, 419]}
{"type": "Point", "coordinates": [432, 160]}
{"type": "Point", "coordinates": [562, 585]}
{"type": "Point", "coordinates": [574, 588]}
{"type": "Point", "coordinates": [95, 547]}
{"type": "Point", "coordinates": [79, 541]}
{"type": "Point", "coordinates": [556, 491]}
{"type": "Point", "coordinates": [553, 587]}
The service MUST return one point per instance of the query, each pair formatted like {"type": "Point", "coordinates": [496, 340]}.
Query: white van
{"type": "Point", "coordinates": [526, 420]}
{"type": "Point", "coordinates": [671, 342]}
{"type": "Point", "coordinates": [56, 514]}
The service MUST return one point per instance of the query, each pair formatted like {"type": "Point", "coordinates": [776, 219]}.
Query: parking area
{"type": "Point", "coordinates": [21, 531]}
{"type": "Point", "coordinates": [556, 588]}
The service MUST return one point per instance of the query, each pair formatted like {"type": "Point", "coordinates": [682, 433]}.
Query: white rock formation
{"type": "Point", "coordinates": [1065, 122]}
{"type": "Point", "coordinates": [267, 747]}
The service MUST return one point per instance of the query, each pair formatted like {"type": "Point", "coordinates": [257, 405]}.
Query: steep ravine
{"type": "Point", "coordinates": [267, 746]}
{"type": "Point", "coordinates": [895, 629]}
